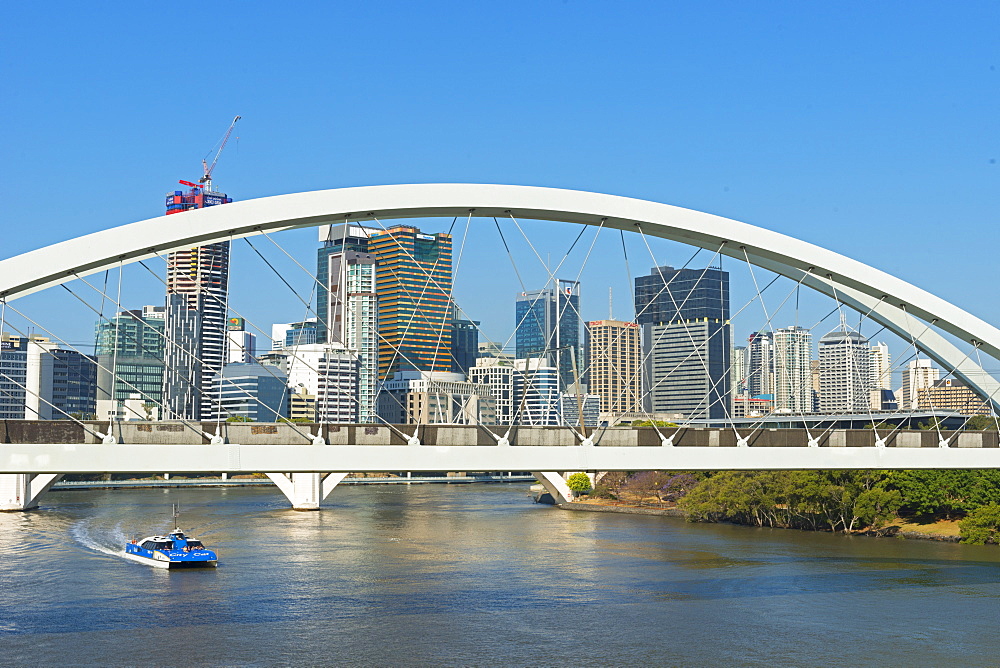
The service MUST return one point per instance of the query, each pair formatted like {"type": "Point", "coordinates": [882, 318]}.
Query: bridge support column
{"type": "Point", "coordinates": [555, 485]}
{"type": "Point", "coordinates": [21, 491]}
{"type": "Point", "coordinates": [306, 491]}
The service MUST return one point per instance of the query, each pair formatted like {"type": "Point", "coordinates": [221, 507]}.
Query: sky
{"type": "Point", "coordinates": [870, 129]}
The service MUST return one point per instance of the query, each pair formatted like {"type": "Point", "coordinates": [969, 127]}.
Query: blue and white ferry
{"type": "Point", "coordinates": [175, 550]}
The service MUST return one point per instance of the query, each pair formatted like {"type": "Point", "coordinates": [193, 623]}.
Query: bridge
{"type": "Point", "coordinates": [313, 458]}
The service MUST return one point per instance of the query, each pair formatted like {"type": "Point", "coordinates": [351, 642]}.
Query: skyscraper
{"type": "Point", "coordinates": [548, 328]}
{"type": "Point", "coordinates": [242, 344]}
{"type": "Point", "coordinates": [919, 374]}
{"type": "Point", "coordinates": [738, 374]}
{"type": "Point", "coordinates": [130, 350]}
{"type": "Point", "coordinates": [684, 314]}
{"type": "Point", "coordinates": [348, 305]}
{"type": "Point", "coordinates": [792, 373]}
{"type": "Point", "coordinates": [464, 342]}
{"type": "Point", "coordinates": [413, 283]}
{"type": "Point", "coordinates": [196, 314]}
{"type": "Point", "coordinates": [844, 371]}
{"type": "Point", "coordinates": [760, 364]}
{"type": "Point", "coordinates": [614, 358]}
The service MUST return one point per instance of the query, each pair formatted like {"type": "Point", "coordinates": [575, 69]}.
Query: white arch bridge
{"type": "Point", "coordinates": [311, 469]}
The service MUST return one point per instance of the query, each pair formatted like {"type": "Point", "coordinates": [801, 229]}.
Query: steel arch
{"type": "Point", "coordinates": [893, 303]}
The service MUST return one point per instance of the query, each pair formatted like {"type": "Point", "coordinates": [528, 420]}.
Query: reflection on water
{"type": "Point", "coordinates": [475, 575]}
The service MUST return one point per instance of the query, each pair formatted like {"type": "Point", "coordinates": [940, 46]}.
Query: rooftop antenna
{"type": "Point", "coordinates": [611, 304]}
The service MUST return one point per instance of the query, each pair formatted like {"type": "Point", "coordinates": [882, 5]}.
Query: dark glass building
{"type": "Point", "coordinates": [686, 341]}
{"type": "Point", "coordinates": [548, 327]}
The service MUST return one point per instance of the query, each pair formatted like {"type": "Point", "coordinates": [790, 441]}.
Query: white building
{"type": "Point", "coordinates": [497, 375]}
{"type": "Point", "coordinates": [844, 372]}
{"type": "Point", "coordinates": [760, 364]}
{"type": "Point", "coordinates": [434, 397]}
{"type": "Point", "coordinates": [920, 374]}
{"type": "Point", "coordinates": [536, 393]}
{"type": "Point", "coordinates": [242, 344]}
{"type": "Point", "coordinates": [738, 372]}
{"type": "Point", "coordinates": [352, 315]}
{"type": "Point", "coordinates": [792, 348]}
{"type": "Point", "coordinates": [330, 374]}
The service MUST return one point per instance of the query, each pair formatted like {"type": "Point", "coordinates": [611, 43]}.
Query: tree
{"type": "Point", "coordinates": [239, 418]}
{"type": "Point", "coordinates": [981, 423]}
{"type": "Point", "coordinates": [610, 485]}
{"type": "Point", "coordinates": [981, 526]}
{"type": "Point", "coordinates": [947, 492]}
{"type": "Point", "coordinates": [579, 483]}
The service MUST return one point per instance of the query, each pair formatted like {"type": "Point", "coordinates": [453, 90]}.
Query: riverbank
{"type": "Point", "coordinates": [937, 530]}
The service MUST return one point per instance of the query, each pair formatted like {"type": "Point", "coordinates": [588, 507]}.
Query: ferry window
{"type": "Point", "coordinates": [195, 544]}
{"type": "Point", "coordinates": [149, 545]}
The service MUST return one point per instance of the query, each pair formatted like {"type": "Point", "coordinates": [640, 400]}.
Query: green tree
{"type": "Point", "coordinates": [981, 423]}
{"type": "Point", "coordinates": [239, 418]}
{"type": "Point", "coordinates": [947, 492]}
{"type": "Point", "coordinates": [579, 483]}
{"type": "Point", "coordinates": [934, 424]}
{"type": "Point", "coordinates": [981, 526]}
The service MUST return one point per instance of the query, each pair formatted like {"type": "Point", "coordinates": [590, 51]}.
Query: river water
{"type": "Point", "coordinates": [475, 575]}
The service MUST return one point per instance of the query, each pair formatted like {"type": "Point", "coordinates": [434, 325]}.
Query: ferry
{"type": "Point", "coordinates": [175, 550]}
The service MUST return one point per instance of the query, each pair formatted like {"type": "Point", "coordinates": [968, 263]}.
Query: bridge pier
{"type": "Point", "coordinates": [306, 491]}
{"type": "Point", "coordinates": [555, 485]}
{"type": "Point", "coordinates": [21, 491]}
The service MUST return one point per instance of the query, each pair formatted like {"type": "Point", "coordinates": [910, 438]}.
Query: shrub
{"type": "Point", "coordinates": [981, 526]}
{"type": "Point", "coordinates": [579, 483]}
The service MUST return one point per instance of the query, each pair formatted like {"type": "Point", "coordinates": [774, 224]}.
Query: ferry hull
{"type": "Point", "coordinates": [157, 563]}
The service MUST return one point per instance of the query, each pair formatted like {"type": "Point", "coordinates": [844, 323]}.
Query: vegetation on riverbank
{"type": "Point", "coordinates": [873, 502]}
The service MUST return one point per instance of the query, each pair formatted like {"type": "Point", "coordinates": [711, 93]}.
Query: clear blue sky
{"type": "Point", "coordinates": [872, 129]}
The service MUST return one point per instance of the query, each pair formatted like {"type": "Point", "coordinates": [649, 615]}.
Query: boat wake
{"type": "Point", "coordinates": [109, 543]}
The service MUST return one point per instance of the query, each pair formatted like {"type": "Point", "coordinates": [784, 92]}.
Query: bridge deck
{"type": "Point", "coordinates": [64, 447]}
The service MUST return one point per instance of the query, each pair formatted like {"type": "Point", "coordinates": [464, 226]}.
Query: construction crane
{"type": "Point", "coordinates": [206, 180]}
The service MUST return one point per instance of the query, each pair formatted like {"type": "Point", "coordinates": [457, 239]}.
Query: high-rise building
{"type": "Point", "coordinates": [881, 367]}
{"type": "Point", "coordinates": [413, 282]}
{"type": "Point", "coordinates": [919, 374]}
{"type": "Point", "coordinates": [242, 344]}
{"type": "Point", "coordinates": [614, 361]}
{"type": "Point", "coordinates": [250, 391]}
{"type": "Point", "coordinates": [686, 340]}
{"type": "Point", "coordinates": [329, 373]}
{"type": "Point", "coordinates": [952, 394]}
{"type": "Point", "coordinates": [497, 375]}
{"type": "Point", "coordinates": [760, 364]}
{"type": "Point", "coordinates": [882, 397]}
{"type": "Point", "coordinates": [579, 408]}
{"type": "Point", "coordinates": [130, 349]}
{"type": "Point", "coordinates": [547, 327]}
{"type": "Point", "coordinates": [536, 393]}
{"type": "Point", "coordinates": [348, 305]}
{"type": "Point", "coordinates": [464, 342]}
{"type": "Point", "coordinates": [45, 382]}
{"type": "Point", "coordinates": [196, 314]}
{"type": "Point", "coordinates": [294, 333]}
{"type": "Point", "coordinates": [844, 371]}
{"type": "Point", "coordinates": [13, 376]}
{"type": "Point", "coordinates": [792, 348]}
{"type": "Point", "coordinates": [738, 373]}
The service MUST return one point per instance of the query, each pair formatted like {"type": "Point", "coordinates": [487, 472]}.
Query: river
{"type": "Point", "coordinates": [475, 575]}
